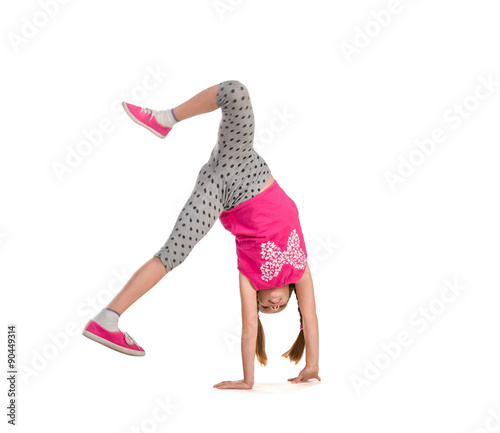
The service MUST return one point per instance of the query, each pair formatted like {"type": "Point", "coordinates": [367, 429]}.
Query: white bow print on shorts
{"type": "Point", "coordinates": [294, 255]}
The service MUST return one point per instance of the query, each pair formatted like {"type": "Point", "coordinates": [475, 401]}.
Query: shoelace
{"type": "Point", "coordinates": [129, 339]}
{"type": "Point", "coordinates": [149, 111]}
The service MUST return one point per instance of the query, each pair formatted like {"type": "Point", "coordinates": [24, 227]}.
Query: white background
{"type": "Point", "coordinates": [68, 243]}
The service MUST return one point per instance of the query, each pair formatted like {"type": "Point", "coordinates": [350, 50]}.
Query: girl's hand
{"type": "Point", "coordinates": [305, 374]}
{"type": "Point", "coordinates": [236, 384]}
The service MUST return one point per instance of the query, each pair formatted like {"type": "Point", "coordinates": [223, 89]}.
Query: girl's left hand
{"type": "Point", "coordinates": [305, 374]}
{"type": "Point", "coordinates": [236, 384]}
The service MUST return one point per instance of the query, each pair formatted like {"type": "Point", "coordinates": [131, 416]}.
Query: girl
{"type": "Point", "coordinates": [236, 187]}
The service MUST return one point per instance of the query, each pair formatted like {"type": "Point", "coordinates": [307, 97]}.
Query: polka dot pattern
{"type": "Point", "coordinates": [234, 173]}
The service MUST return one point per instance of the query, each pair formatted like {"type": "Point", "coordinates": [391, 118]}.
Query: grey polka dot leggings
{"type": "Point", "coordinates": [234, 173]}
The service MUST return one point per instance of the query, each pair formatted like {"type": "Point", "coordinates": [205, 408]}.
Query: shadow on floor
{"type": "Point", "coordinates": [283, 387]}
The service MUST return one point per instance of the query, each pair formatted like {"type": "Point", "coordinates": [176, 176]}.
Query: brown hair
{"type": "Point", "coordinates": [296, 351]}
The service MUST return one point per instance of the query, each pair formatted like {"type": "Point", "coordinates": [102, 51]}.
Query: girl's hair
{"type": "Point", "coordinates": [296, 351]}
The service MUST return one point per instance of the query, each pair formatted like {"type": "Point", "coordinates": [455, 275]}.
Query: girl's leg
{"type": "Point", "coordinates": [154, 270]}
{"type": "Point", "coordinates": [142, 281]}
{"type": "Point", "coordinates": [201, 103]}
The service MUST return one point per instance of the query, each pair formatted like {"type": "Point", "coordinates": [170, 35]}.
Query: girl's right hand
{"type": "Point", "coordinates": [306, 374]}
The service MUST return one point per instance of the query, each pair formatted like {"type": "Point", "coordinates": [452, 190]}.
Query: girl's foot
{"type": "Point", "coordinates": [150, 119]}
{"type": "Point", "coordinates": [116, 340]}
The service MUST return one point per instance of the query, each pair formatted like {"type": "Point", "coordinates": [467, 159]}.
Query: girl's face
{"type": "Point", "coordinates": [273, 300]}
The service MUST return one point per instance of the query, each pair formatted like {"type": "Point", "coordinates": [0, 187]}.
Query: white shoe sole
{"type": "Point", "coordinates": [111, 345]}
{"type": "Point", "coordinates": [136, 120]}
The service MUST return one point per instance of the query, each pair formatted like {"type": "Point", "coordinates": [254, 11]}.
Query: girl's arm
{"type": "Point", "coordinates": [305, 295]}
{"type": "Point", "coordinates": [249, 327]}
{"type": "Point", "coordinates": [248, 336]}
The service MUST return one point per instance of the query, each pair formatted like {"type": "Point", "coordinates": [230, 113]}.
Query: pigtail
{"type": "Point", "coordinates": [297, 350]}
{"type": "Point", "coordinates": [260, 349]}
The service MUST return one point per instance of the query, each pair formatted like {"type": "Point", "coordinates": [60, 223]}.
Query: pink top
{"type": "Point", "coordinates": [269, 242]}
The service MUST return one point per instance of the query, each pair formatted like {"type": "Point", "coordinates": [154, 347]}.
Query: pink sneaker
{"type": "Point", "coordinates": [146, 117]}
{"type": "Point", "coordinates": [117, 340]}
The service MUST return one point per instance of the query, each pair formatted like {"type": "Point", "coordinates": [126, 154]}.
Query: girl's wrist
{"type": "Point", "coordinates": [247, 378]}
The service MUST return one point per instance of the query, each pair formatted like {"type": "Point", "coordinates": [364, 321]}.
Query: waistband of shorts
{"type": "Point", "coordinates": [255, 198]}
